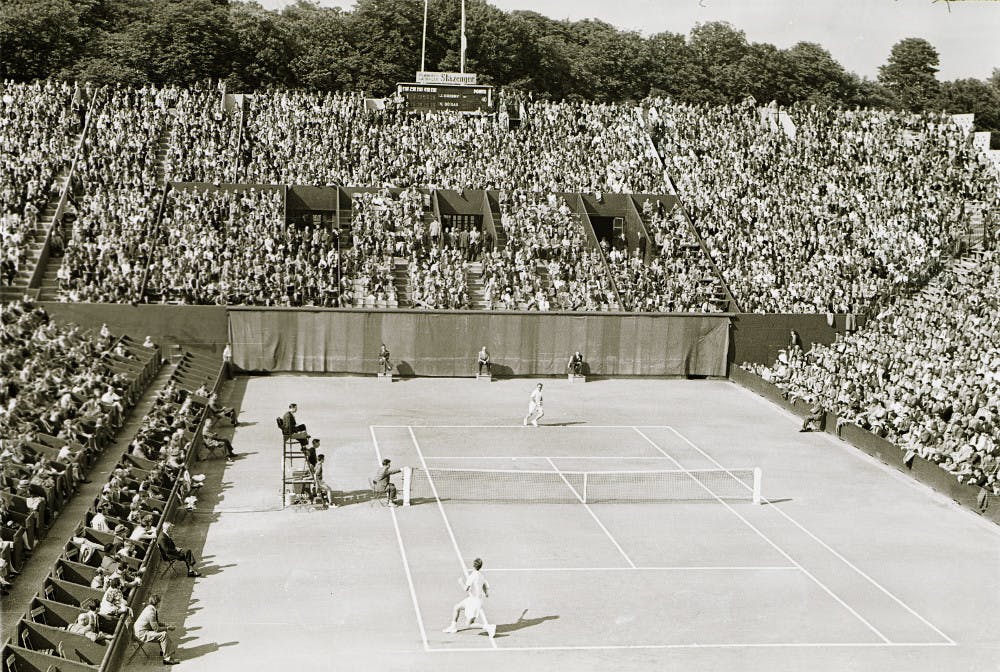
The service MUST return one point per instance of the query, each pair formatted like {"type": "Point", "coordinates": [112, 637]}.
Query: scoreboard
{"type": "Point", "coordinates": [467, 98]}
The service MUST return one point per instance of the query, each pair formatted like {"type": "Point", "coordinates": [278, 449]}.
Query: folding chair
{"type": "Point", "coordinates": [11, 663]}
{"type": "Point", "coordinates": [38, 615]}
{"type": "Point", "coordinates": [140, 646]}
{"type": "Point", "coordinates": [26, 640]}
{"type": "Point", "coordinates": [382, 498]}
{"type": "Point", "coordinates": [170, 562]}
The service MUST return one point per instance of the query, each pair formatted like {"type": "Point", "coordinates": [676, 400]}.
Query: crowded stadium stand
{"type": "Point", "coordinates": [81, 613]}
{"type": "Point", "coordinates": [297, 229]}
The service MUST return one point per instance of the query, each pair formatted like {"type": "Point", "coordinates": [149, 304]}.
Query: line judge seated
{"type": "Point", "coordinates": [384, 365]}
{"type": "Point", "coordinates": [382, 482]}
{"type": "Point", "coordinates": [483, 361]}
{"type": "Point", "coordinates": [575, 364]}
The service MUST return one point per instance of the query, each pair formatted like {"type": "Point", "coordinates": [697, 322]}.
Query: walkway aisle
{"type": "Point", "coordinates": [45, 553]}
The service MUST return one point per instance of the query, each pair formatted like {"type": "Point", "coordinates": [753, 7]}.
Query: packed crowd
{"type": "Point", "coordinates": [117, 194]}
{"type": "Point", "coordinates": [545, 263]}
{"type": "Point", "coordinates": [308, 138]}
{"type": "Point", "coordinates": [203, 138]}
{"type": "Point", "coordinates": [39, 127]}
{"type": "Point", "coordinates": [857, 205]}
{"type": "Point", "coordinates": [676, 276]}
{"type": "Point", "coordinates": [222, 246]}
{"type": "Point", "coordinates": [63, 395]}
{"type": "Point", "coordinates": [386, 225]}
{"type": "Point", "coordinates": [924, 375]}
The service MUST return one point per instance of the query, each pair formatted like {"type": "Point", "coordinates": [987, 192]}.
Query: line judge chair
{"type": "Point", "coordinates": [382, 498]}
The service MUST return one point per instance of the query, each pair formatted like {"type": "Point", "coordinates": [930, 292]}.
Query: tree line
{"type": "Point", "coordinates": [378, 43]}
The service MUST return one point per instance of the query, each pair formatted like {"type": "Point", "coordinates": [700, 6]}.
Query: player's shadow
{"type": "Point", "coordinates": [563, 424]}
{"type": "Point", "coordinates": [503, 629]}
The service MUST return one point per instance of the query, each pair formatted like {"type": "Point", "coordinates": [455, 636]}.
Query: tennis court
{"type": "Point", "coordinates": [620, 534]}
{"type": "Point", "coordinates": [616, 574]}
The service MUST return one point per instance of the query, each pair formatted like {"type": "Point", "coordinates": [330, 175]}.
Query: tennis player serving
{"type": "Point", "coordinates": [476, 589]}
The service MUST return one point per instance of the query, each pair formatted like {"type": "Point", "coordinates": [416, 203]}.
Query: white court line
{"type": "Point", "coordinates": [593, 515]}
{"type": "Point", "coordinates": [826, 546]}
{"type": "Point", "coordinates": [444, 516]}
{"type": "Point", "coordinates": [544, 457]}
{"type": "Point", "coordinates": [752, 645]}
{"type": "Point", "coordinates": [518, 426]}
{"type": "Point", "coordinates": [773, 544]}
{"type": "Point", "coordinates": [729, 568]}
{"type": "Point", "coordinates": [402, 552]}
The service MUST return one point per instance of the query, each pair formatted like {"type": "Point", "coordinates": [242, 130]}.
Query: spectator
{"type": "Point", "coordinates": [148, 628]}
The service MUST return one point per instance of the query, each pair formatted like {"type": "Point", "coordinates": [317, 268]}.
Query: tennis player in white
{"type": "Point", "coordinates": [535, 410]}
{"type": "Point", "coordinates": [476, 589]}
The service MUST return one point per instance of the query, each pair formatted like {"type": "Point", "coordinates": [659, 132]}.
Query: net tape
{"type": "Point", "coordinates": [589, 487]}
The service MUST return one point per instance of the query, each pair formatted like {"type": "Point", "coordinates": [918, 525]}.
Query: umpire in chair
{"type": "Point", "coordinates": [293, 431]}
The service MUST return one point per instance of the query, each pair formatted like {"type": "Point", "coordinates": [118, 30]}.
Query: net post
{"type": "Point", "coordinates": [407, 479]}
{"type": "Point", "coordinates": [757, 475]}
{"type": "Point", "coordinates": [585, 487]}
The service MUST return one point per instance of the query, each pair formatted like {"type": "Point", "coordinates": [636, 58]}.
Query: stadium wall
{"type": "Point", "coordinates": [925, 471]}
{"type": "Point", "coordinates": [757, 338]}
{"type": "Point", "coordinates": [202, 327]}
{"type": "Point", "coordinates": [445, 343]}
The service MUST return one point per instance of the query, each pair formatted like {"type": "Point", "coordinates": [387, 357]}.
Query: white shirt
{"type": "Point", "coordinates": [536, 397]}
{"type": "Point", "coordinates": [476, 585]}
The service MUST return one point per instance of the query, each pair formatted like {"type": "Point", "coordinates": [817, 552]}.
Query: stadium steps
{"type": "Point", "coordinates": [36, 240]}
{"type": "Point", "coordinates": [49, 289]}
{"type": "Point", "coordinates": [162, 147]}
{"type": "Point", "coordinates": [475, 285]}
{"type": "Point", "coordinates": [543, 276]}
{"type": "Point", "coordinates": [401, 279]}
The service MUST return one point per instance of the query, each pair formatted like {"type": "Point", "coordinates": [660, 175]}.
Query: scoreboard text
{"type": "Point", "coordinates": [455, 97]}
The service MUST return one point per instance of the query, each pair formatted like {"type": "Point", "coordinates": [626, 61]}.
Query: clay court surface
{"type": "Point", "coordinates": [846, 565]}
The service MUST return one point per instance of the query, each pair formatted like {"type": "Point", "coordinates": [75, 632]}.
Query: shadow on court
{"type": "Point", "coordinates": [562, 424]}
{"type": "Point", "coordinates": [521, 623]}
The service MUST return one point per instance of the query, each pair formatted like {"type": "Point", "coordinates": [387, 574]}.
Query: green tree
{"type": "Point", "coordinates": [720, 48]}
{"type": "Point", "coordinates": [264, 49]}
{"type": "Point", "coordinates": [973, 95]}
{"type": "Point", "coordinates": [911, 73]}
{"type": "Point", "coordinates": [323, 56]}
{"type": "Point", "coordinates": [38, 37]}
{"type": "Point", "coordinates": [673, 68]}
{"type": "Point", "coordinates": [387, 35]}
{"type": "Point", "coordinates": [184, 41]}
{"type": "Point", "coordinates": [815, 77]}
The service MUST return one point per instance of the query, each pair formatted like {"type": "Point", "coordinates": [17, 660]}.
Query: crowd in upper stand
{"type": "Point", "coordinates": [217, 247]}
{"type": "Point", "coordinates": [203, 138]}
{"type": "Point", "coordinates": [924, 375]}
{"type": "Point", "coordinates": [545, 264]}
{"type": "Point", "coordinates": [677, 277]}
{"type": "Point", "coordinates": [857, 205]}
{"type": "Point", "coordinates": [39, 127]}
{"type": "Point", "coordinates": [306, 138]}
{"type": "Point", "coordinates": [117, 194]}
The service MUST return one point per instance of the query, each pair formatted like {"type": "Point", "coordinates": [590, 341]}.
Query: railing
{"type": "Point", "coordinates": [43, 257]}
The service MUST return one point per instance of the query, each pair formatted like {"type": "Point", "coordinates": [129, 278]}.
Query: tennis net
{"type": "Point", "coordinates": [588, 487]}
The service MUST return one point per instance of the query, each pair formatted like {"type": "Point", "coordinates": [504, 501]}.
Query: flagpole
{"type": "Point", "coordinates": [463, 37]}
{"type": "Point", "coordinates": [423, 43]}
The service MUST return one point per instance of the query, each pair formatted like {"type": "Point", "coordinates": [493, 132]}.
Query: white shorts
{"type": "Point", "coordinates": [472, 606]}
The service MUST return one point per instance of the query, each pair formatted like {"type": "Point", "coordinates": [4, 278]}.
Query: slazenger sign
{"type": "Point", "coordinates": [424, 77]}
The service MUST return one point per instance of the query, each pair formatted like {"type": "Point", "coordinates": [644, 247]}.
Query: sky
{"type": "Point", "coordinates": [858, 33]}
